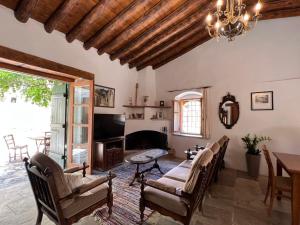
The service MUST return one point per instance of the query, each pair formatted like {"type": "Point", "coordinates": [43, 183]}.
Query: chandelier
{"type": "Point", "coordinates": [232, 20]}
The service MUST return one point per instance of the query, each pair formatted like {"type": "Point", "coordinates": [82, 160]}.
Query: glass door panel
{"type": "Point", "coordinates": [81, 122]}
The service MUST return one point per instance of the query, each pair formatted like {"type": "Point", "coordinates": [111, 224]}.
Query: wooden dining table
{"type": "Point", "coordinates": [291, 164]}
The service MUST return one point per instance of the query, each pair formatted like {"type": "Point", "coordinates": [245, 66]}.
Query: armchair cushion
{"type": "Point", "coordinates": [165, 200]}
{"type": "Point", "coordinates": [203, 159]}
{"type": "Point", "coordinates": [44, 162]}
{"type": "Point", "coordinates": [178, 173]}
{"type": "Point", "coordinates": [186, 164]}
{"type": "Point", "coordinates": [73, 206]}
{"type": "Point", "coordinates": [73, 180]}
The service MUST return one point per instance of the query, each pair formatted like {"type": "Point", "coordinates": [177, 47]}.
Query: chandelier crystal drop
{"type": "Point", "coordinates": [232, 20]}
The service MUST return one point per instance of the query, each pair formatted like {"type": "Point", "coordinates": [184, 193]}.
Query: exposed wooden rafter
{"type": "Point", "coordinates": [63, 10]}
{"type": "Point", "coordinates": [194, 32]}
{"type": "Point", "coordinates": [134, 11]}
{"type": "Point", "coordinates": [92, 21]}
{"type": "Point", "coordinates": [155, 15]}
{"type": "Point", "coordinates": [167, 36]}
{"type": "Point", "coordinates": [24, 10]}
{"type": "Point", "coordinates": [180, 52]}
{"type": "Point", "coordinates": [180, 16]}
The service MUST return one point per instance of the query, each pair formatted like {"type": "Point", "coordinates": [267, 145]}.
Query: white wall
{"type": "Point", "coordinates": [253, 62]}
{"type": "Point", "coordinates": [33, 39]}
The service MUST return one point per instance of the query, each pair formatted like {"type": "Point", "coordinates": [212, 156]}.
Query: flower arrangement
{"type": "Point", "coordinates": [251, 143]}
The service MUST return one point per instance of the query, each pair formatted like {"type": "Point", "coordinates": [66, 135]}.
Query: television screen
{"type": "Point", "coordinates": [108, 126]}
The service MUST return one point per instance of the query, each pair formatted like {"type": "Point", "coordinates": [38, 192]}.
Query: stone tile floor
{"type": "Point", "coordinates": [235, 200]}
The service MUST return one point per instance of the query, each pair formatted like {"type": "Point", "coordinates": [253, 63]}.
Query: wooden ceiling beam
{"type": "Point", "coordinates": [59, 14]}
{"type": "Point", "coordinates": [154, 16]}
{"type": "Point", "coordinates": [171, 44]}
{"type": "Point", "coordinates": [174, 49]}
{"type": "Point", "coordinates": [88, 20]}
{"type": "Point", "coordinates": [166, 37]}
{"type": "Point", "coordinates": [168, 42]}
{"type": "Point", "coordinates": [134, 11]}
{"type": "Point", "coordinates": [24, 10]}
{"type": "Point", "coordinates": [181, 52]}
{"type": "Point", "coordinates": [282, 13]}
{"type": "Point", "coordinates": [133, 47]}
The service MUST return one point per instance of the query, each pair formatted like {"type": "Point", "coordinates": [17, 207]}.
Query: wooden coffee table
{"type": "Point", "coordinates": [146, 157]}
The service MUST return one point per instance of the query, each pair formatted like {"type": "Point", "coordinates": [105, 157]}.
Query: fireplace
{"type": "Point", "coordinates": [146, 139]}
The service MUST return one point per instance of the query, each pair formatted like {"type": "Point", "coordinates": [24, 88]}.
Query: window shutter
{"type": "Point", "coordinates": [176, 116]}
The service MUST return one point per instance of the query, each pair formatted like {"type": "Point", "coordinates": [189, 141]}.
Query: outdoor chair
{"type": "Point", "coordinates": [13, 149]}
{"type": "Point", "coordinates": [64, 196]}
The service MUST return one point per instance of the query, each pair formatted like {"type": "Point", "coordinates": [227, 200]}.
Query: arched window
{"type": "Point", "coordinates": [188, 113]}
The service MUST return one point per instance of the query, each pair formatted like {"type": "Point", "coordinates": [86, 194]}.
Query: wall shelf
{"type": "Point", "coordinates": [147, 106]}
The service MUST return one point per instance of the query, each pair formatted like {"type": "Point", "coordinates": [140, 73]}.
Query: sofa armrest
{"type": "Point", "coordinates": [166, 188]}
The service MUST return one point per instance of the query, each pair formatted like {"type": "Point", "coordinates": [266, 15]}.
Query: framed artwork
{"type": "Point", "coordinates": [262, 100]}
{"type": "Point", "coordinates": [104, 96]}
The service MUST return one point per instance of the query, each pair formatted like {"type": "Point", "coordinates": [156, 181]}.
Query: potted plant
{"type": "Point", "coordinates": [253, 155]}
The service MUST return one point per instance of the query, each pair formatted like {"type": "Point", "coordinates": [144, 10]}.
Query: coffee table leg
{"type": "Point", "coordinates": [136, 175]}
{"type": "Point", "coordinates": [157, 166]}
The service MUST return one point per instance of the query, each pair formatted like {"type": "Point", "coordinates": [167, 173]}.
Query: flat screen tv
{"type": "Point", "coordinates": [108, 126]}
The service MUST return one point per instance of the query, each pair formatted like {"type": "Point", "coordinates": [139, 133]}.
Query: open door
{"type": "Point", "coordinates": [81, 106]}
{"type": "Point", "coordinates": [58, 124]}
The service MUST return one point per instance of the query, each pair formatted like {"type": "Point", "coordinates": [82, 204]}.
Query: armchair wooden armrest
{"type": "Point", "coordinates": [78, 168]}
{"type": "Point", "coordinates": [166, 188]}
{"type": "Point", "coordinates": [90, 185]}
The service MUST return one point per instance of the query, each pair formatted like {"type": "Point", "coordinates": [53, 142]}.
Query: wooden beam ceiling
{"type": "Point", "coordinates": [133, 12]}
{"type": "Point", "coordinates": [24, 10]}
{"type": "Point", "coordinates": [138, 32]}
{"type": "Point", "coordinates": [59, 15]}
{"type": "Point", "coordinates": [155, 15]}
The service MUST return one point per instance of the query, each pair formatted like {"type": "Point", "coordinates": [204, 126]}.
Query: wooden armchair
{"type": "Point", "coordinates": [65, 197]}
{"type": "Point", "coordinates": [174, 198]}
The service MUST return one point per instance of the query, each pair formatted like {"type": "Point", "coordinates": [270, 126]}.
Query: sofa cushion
{"type": "Point", "coordinates": [215, 147]}
{"type": "Point", "coordinates": [165, 200]}
{"type": "Point", "coordinates": [186, 164]}
{"type": "Point", "coordinates": [73, 206]}
{"type": "Point", "coordinates": [178, 173]}
{"type": "Point", "coordinates": [171, 182]}
{"type": "Point", "coordinates": [202, 160]}
{"type": "Point", "coordinates": [44, 162]}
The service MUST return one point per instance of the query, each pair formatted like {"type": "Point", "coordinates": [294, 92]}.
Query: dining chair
{"type": "Point", "coordinates": [13, 148]}
{"type": "Point", "coordinates": [277, 185]}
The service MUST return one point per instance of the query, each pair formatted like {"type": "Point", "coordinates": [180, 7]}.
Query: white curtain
{"type": "Point", "coordinates": [205, 128]}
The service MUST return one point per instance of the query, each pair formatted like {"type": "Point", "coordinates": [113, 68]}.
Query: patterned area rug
{"type": "Point", "coordinates": [126, 198]}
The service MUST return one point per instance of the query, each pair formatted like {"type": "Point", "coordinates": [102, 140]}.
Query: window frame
{"type": "Point", "coordinates": [180, 102]}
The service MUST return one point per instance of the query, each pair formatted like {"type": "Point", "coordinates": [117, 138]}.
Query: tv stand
{"type": "Point", "coordinates": [108, 153]}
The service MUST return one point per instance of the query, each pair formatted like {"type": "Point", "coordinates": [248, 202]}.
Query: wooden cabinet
{"type": "Point", "coordinates": [108, 153]}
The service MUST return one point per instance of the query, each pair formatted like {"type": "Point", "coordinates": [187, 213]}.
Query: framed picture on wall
{"type": "Point", "coordinates": [104, 96]}
{"type": "Point", "coordinates": [262, 100]}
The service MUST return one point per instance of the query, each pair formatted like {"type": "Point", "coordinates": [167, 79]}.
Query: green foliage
{"type": "Point", "coordinates": [34, 89]}
{"type": "Point", "coordinates": [251, 143]}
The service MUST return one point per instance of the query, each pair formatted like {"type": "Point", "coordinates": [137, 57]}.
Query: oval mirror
{"type": "Point", "coordinates": [229, 111]}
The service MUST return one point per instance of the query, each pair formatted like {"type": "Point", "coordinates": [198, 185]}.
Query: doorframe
{"type": "Point", "coordinates": [18, 61]}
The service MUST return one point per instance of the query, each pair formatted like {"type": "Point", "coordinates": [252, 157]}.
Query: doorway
{"type": "Point", "coordinates": [72, 102]}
